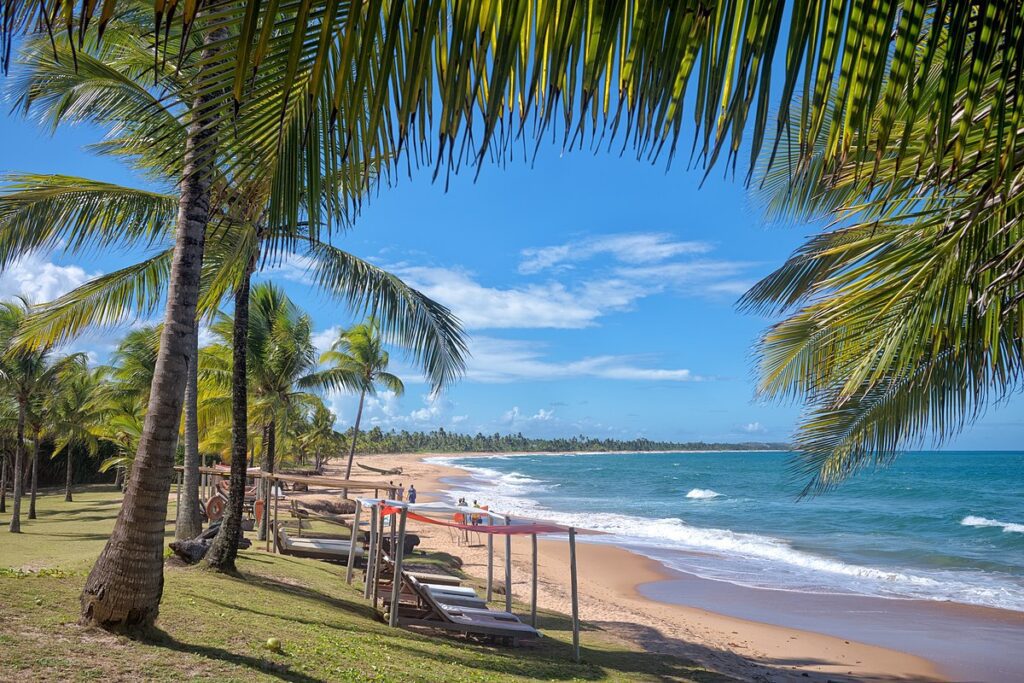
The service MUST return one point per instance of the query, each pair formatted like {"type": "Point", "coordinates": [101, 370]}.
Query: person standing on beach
{"type": "Point", "coordinates": [412, 493]}
{"type": "Point", "coordinates": [401, 491]}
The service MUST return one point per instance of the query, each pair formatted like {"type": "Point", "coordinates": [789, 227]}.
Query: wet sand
{"type": "Point", "coordinates": [638, 599]}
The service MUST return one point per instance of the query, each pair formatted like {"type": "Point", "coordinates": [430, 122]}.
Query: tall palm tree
{"type": "Point", "coordinates": [26, 374]}
{"type": "Point", "coordinates": [75, 414]}
{"type": "Point", "coordinates": [36, 422]}
{"type": "Point", "coordinates": [358, 362]}
{"type": "Point", "coordinates": [150, 113]}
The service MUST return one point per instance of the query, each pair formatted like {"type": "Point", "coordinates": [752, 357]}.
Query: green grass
{"type": "Point", "coordinates": [214, 626]}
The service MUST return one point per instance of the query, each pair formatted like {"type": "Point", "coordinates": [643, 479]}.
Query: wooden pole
{"type": "Point", "coordinates": [177, 499]}
{"type": "Point", "coordinates": [490, 566]}
{"type": "Point", "coordinates": [264, 495]}
{"type": "Point", "coordinates": [372, 555]}
{"type": "Point", "coordinates": [378, 557]}
{"type": "Point", "coordinates": [276, 497]}
{"type": "Point", "coordinates": [508, 567]}
{"type": "Point", "coordinates": [352, 544]}
{"type": "Point", "coordinates": [396, 584]}
{"type": "Point", "coordinates": [533, 587]}
{"type": "Point", "coordinates": [575, 596]}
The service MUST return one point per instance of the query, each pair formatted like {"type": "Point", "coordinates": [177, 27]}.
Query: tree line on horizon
{"type": "Point", "coordinates": [378, 441]}
{"type": "Point", "coordinates": [896, 125]}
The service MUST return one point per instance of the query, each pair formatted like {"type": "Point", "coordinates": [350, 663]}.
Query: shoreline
{"type": "Point", "coordinates": [615, 587]}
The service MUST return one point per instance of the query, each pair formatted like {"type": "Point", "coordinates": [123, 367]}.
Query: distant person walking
{"type": "Point", "coordinates": [412, 493]}
{"type": "Point", "coordinates": [401, 491]}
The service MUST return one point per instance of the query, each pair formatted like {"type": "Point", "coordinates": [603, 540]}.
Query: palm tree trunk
{"type": "Point", "coordinates": [19, 460]}
{"type": "Point", "coordinates": [124, 588]}
{"type": "Point", "coordinates": [68, 476]}
{"type": "Point", "coordinates": [35, 476]}
{"type": "Point", "coordinates": [3, 482]}
{"type": "Point", "coordinates": [224, 549]}
{"type": "Point", "coordinates": [189, 524]}
{"type": "Point", "coordinates": [268, 466]}
{"type": "Point", "coordinates": [355, 437]}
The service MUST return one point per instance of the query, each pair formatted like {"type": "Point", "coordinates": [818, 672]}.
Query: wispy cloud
{"type": "Point", "coordinates": [753, 428]}
{"type": "Point", "coordinates": [506, 360]}
{"type": "Point", "coordinates": [643, 247]}
{"type": "Point", "coordinates": [514, 416]}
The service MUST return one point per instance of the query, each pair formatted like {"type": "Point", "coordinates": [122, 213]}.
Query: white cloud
{"type": "Point", "coordinates": [39, 280]}
{"type": "Point", "coordinates": [506, 360]}
{"type": "Point", "coordinates": [323, 339]}
{"type": "Point", "coordinates": [515, 416]}
{"type": "Point", "coordinates": [641, 247]}
{"type": "Point", "coordinates": [291, 266]}
{"type": "Point", "coordinates": [548, 305]}
{"type": "Point", "coordinates": [753, 428]}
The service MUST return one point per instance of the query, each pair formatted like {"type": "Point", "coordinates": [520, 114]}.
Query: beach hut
{"type": "Point", "coordinates": [441, 514]}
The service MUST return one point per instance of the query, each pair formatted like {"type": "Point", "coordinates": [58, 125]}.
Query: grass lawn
{"type": "Point", "coordinates": [214, 626]}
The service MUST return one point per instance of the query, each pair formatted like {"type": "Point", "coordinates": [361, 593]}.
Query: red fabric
{"type": "Point", "coordinates": [503, 530]}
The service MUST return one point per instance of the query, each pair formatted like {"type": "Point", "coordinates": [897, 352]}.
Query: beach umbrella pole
{"type": "Point", "coordinates": [378, 556]}
{"type": "Point", "coordinates": [396, 583]}
{"type": "Point", "coordinates": [352, 544]}
{"type": "Point", "coordinates": [508, 567]}
{"type": "Point", "coordinates": [533, 585]}
{"type": "Point", "coordinates": [277, 497]}
{"type": "Point", "coordinates": [575, 596]}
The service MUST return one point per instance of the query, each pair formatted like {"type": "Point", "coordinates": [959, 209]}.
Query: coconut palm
{"type": "Point", "coordinates": [358, 362]}
{"type": "Point", "coordinates": [75, 414]}
{"type": "Point", "coordinates": [317, 434]}
{"type": "Point", "coordinates": [114, 98]}
{"type": "Point", "coordinates": [26, 374]}
{"type": "Point", "coordinates": [903, 317]}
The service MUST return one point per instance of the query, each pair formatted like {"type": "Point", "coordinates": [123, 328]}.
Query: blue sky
{"type": "Point", "coordinates": [598, 293]}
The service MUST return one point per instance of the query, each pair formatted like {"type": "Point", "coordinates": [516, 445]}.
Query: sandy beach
{"type": "Point", "coordinates": [611, 581]}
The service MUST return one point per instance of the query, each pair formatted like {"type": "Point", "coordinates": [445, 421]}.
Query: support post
{"type": "Point", "coordinates": [177, 499]}
{"type": "Point", "coordinates": [396, 583]}
{"type": "Point", "coordinates": [371, 566]}
{"type": "Point", "coordinates": [508, 567]}
{"type": "Point", "coordinates": [533, 585]}
{"type": "Point", "coordinates": [490, 567]}
{"type": "Point", "coordinates": [378, 557]}
{"type": "Point", "coordinates": [575, 596]}
{"type": "Point", "coordinates": [352, 544]}
{"type": "Point", "coordinates": [274, 528]}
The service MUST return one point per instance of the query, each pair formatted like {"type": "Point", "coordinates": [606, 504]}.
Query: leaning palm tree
{"type": "Point", "coordinates": [116, 99]}
{"type": "Point", "coordinates": [358, 362]}
{"type": "Point", "coordinates": [318, 434]}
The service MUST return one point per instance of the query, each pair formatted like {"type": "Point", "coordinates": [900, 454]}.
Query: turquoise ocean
{"type": "Point", "coordinates": [945, 526]}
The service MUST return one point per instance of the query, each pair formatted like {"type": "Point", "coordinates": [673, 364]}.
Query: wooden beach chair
{"type": "Point", "coordinates": [477, 621]}
{"type": "Point", "coordinates": [329, 549]}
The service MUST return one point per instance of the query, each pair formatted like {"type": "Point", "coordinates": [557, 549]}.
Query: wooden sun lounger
{"type": "Point", "coordinates": [442, 579]}
{"type": "Point", "coordinates": [464, 620]}
{"type": "Point", "coordinates": [452, 590]}
{"type": "Point", "coordinates": [333, 549]}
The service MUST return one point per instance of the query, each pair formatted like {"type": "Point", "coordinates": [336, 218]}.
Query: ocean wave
{"type": "Point", "coordinates": [1008, 527]}
{"type": "Point", "coordinates": [747, 559]}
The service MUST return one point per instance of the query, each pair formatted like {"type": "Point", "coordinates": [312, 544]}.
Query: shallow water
{"type": "Point", "coordinates": [936, 526]}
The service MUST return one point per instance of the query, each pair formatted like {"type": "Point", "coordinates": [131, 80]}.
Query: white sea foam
{"type": "Point", "coordinates": [1008, 527]}
{"type": "Point", "coordinates": [702, 494]}
{"type": "Point", "coordinates": [742, 558]}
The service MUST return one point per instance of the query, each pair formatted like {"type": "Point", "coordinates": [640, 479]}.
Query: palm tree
{"type": "Point", "coordinates": [358, 362]}
{"type": "Point", "coordinates": [37, 418]}
{"type": "Point", "coordinates": [318, 434]}
{"type": "Point", "coordinates": [150, 113]}
{"type": "Point", "coordinates": [26, 374]}
{"type": "Point", "coordinates": [76, 412]}
{"type": "Point", "coordinates": [903, 317]}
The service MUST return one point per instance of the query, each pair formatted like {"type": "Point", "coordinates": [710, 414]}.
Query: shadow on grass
{"type": "Point", "coordinates": [160, 638]}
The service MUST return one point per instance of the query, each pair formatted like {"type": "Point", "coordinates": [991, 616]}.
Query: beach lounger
{"type": "Point", "coordinates": [442, 579]}
{"type": "Point", "coordinates": [443, 588]}
{"type": "Point", "coordinates": [331, 549]}
{"type": "Point", "coordinates": [435, 613]}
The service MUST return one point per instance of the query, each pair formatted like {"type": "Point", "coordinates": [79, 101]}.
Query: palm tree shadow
{"type": "Point", "coordinates": [160, 638]}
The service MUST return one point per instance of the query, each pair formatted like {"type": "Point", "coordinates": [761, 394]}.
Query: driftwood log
{"type": "Point", "coordinates": [192, 550]}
